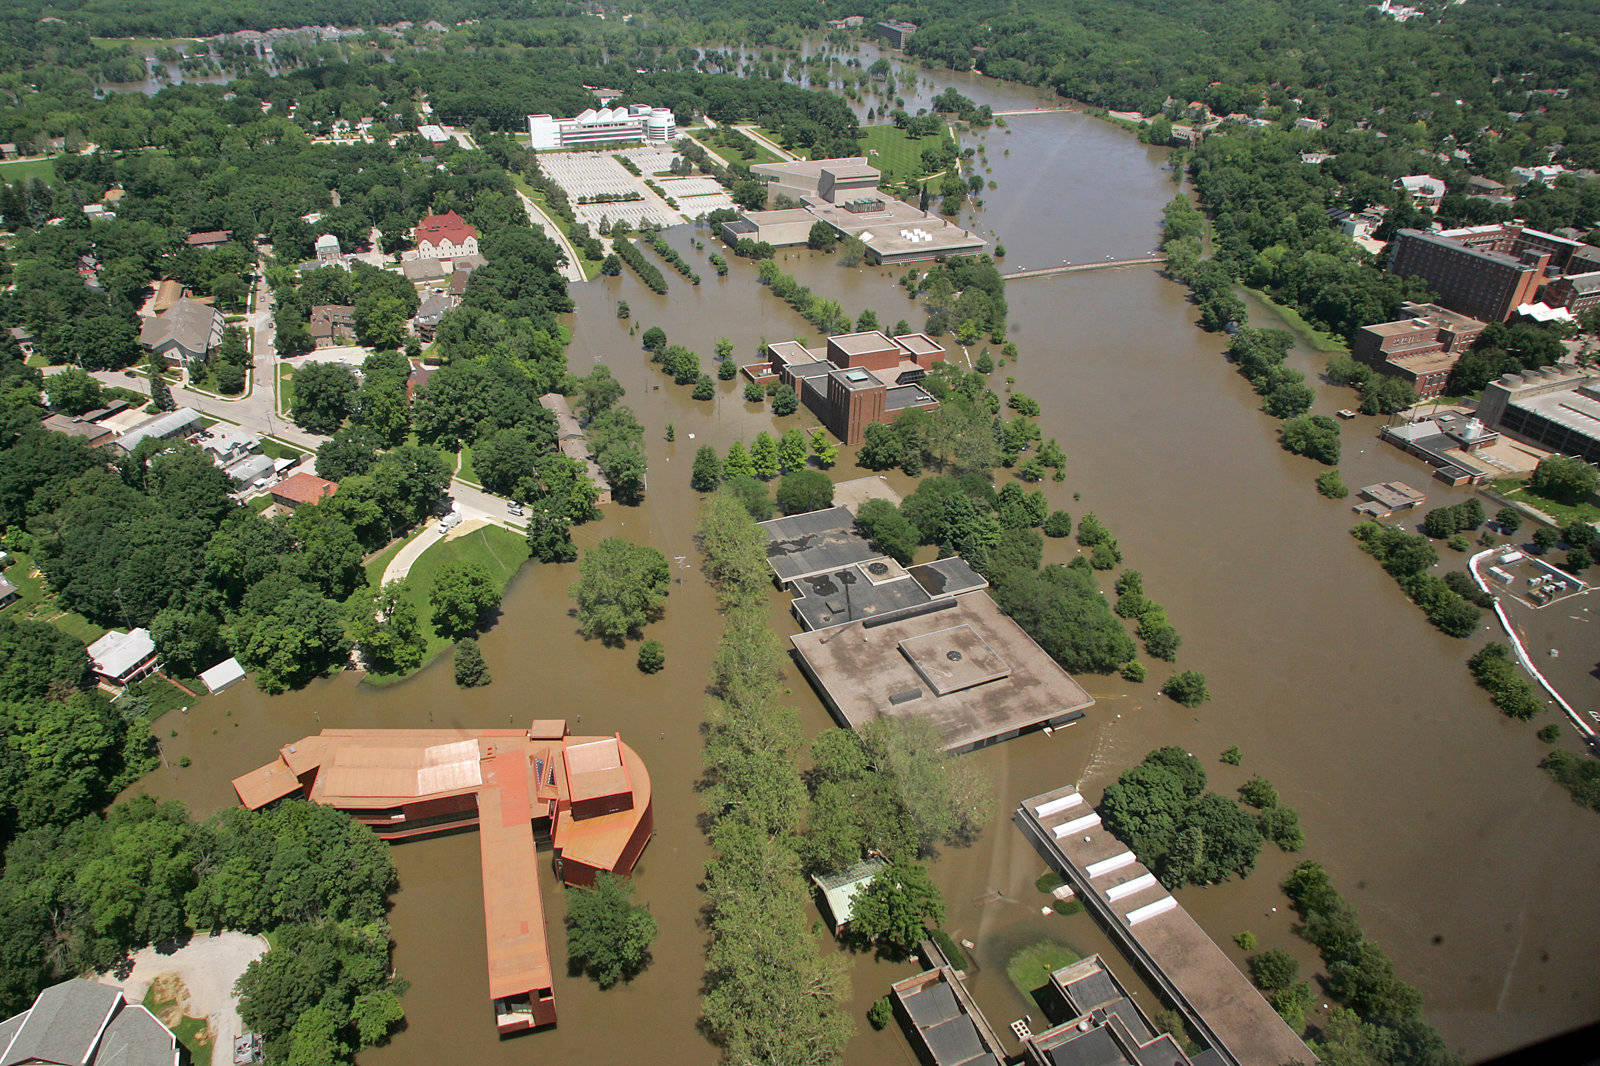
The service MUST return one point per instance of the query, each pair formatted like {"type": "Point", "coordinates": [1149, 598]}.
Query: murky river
{"type": "Point", "coordinates": [1473, 871]}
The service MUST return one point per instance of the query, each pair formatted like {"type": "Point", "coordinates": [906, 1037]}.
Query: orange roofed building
{"type": "Point", "coordinates": [588, 796]}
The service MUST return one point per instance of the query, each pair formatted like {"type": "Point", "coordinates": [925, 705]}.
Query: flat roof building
{"type": "Point", "coordinates": [1102, 1026]}
{"type": "Point", "coordinates": [894, 231]}
{"type": "Point", "coordinates": [592, 796]}
{"type": "Point", "coordinates": [855, 379]}
{"type": "Point", "coordinates": [1556, 407]}
{"type": "Point", "coordinates": [781, 229]}
{"type": "Point", "coordinates": [894, 32]}
{"type": "Point", "coordinates": [1421, 348]}
{"type": "Point", "coordinates": [1218, 1003]}
{"type": "Point", "coordinates": [944, 1025]}
{"type": "Point", "coordinates": [1385, 499]}
{"type": "Point", "coordinates": [832, 180]}
{"type": "Point", "coordinates": [1469, 276]}
{"type": "Point", "coordinates": [635, 124]}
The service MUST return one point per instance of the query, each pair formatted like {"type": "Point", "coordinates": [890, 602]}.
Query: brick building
{"type": "Point", "coordinates": [1576, 292]}
{"type": "Point", "coordinates": [1421, 347]}
{"type": "Point", "coordinates": [589, 798]}
{"type": "Point", "coordinates": [1489, 271]}
{"type": "Point", "coordinates": [857, 379]}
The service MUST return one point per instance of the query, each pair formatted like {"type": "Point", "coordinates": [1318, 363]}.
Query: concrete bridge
{"type": "Point", "coordinates": [1032, 111]}
{"type": "Point", "coordinates": [1073, 268]}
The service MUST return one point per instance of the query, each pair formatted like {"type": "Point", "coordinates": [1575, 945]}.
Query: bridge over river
{"type": "Point", "coordinates": [1073, 268]}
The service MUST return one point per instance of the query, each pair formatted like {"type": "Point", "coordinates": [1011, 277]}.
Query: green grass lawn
{"type": "Point", "coordinates": [1517, 489]}
{"type": "Point", "coordinates": [1030, 968]}
{"type": "Point", "coordinates": [745, 150]}
{"type": "Point", "coordinates": [38, 603]}
{"type": "Point", "coordinates": [380, 562]}
{"type": "Point", "coordinates": [278, 449]}
{"type": "Point", "coordinates": [1321, 340]}
{"type": "Point", "coordinates": [191, 1032]}
{"type": "Point", "coordinates": [23, 169]}
{"type": "Point", "coordinates": [143, 45]}
{"type": "Point", "coordinates": [497, 550]}
{"type": "Point", "coordinates": [895, 152]}
{"type": "Point", "coordinates": [467, 473]}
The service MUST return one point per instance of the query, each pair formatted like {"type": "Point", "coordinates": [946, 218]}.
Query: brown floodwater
{"type": "Point", "coordinates": [1467, 865]}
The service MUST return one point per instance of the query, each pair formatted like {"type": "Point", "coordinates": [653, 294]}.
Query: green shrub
{"type": "Point", "coordinates": [1134, 671]}
{"type": "Point", "coordinates": [652, 657]}
{"type": "Point", "coordinates": [881, 1013]}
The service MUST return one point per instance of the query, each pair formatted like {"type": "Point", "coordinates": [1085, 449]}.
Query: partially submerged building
{"type": "Point", "coordinates": [840, 890]}
{"type": "Point", "coordinates": [1218, 1003]}
{"type": "Point", "coordinates": [1101, 1024]}
{"type": "Point", "coordinates": [1447, 441]}
{"type": "Point", "coordinates": [855, 379]}
{"type": "Point", "coordinates": [587, 797]}
{"type": "Point", "coordinates": [1420, 348]}
{"type": "Point", "coordinates": [573, 442]}
{"type": "Point", "coordinates": [924, 642]}
{"type": "Point", "coordinates": [943, 1023]}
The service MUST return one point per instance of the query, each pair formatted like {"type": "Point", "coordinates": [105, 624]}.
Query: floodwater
{"type": "Point", "coordinates": [1473, 871]}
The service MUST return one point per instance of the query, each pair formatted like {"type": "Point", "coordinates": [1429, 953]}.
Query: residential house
{"type": "Point", "coordinates": [302, 488]}
{"type": "Point", "coordinates": [85, 1023]}
{"type": "Point", "coordinates": [445, 236]}
{"type": "Point", "coordinates": [328, 251]}
{"type": "Point", "coordinates": [333, 324]}
{"type": "Point", "coordinates": [122, 658]}
{"type": "Point", "coordinates": [211, 238]}
{"type": "Point", "coordinates": [94, 435]}
{"type": "Point", "coordinates": [183, 334]}
{"type": "Point", "coordinates": [430, 312]}
{"type": "Point", "coordinates": [1425, 191]}
{"type": "Point", "coordinates": [165, 426]}
{"type": "Point", "coordinates": [9, 593]}
{"type": "Point", "coordinates": [226, 444]}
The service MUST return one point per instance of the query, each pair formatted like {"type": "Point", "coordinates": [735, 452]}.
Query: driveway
{"type": "Point", "coordinates": [208, 966]}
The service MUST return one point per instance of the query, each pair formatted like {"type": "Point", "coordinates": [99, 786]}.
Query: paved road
{"type": "Point", "coordinates": [766, 142]}
{"type": "Point", "coordinates": [570, 269]}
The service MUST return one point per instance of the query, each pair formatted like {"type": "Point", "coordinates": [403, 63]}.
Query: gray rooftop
{"type": "Point", "coordinates": [900, 397]}
{"type": "Point", "coordinates": [813, 543]}
{"type": "Point", "coordinates": [1499, 258]}
{"type": "Point", "coordinates": [932, 1005]}
{"type": "Point", "coordinates": [192, 325]}
{"type": "Point", "coordinates": [1577, 409]}
{"type": "Point", "coordinates": [63, 1025]}
{"type": "Point", "coordinates": [116, 653]}
{"type": "Point", "coordinates": [948, 577]}
{"type": "Point", "coordinates": [876, 588]}
{"type": "Point", "coordinates": [160, 427]}
{"type": "Point", "coordinates": [136, 1038]}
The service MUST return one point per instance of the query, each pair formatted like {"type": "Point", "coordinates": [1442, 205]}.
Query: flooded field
{"type": "Point", "coordinates": [1472, 869]}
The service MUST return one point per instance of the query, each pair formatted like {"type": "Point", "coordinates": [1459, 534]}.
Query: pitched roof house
{"type": "Point", "coordinates": [301, 488]}
{"type": "Point", "coordinates": [445, 237]}
{"type": "Point", "coordinates": [183, 333]}
{"type": "Point", "coordinates": [85, 1023]}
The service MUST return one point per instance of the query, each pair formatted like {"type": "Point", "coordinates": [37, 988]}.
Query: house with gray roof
{"type": "Point", "coordinates": [183, 333]}
{"type": "Point", "coordinates": [9, 593]}
{"type": "Point", "coordinates": [164, 426]}
{"type": "Point", "coordinates": [85, 1023]}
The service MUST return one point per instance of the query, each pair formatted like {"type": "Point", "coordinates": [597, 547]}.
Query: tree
{"type": "Point", "coordinates": [1273, 970]}
{"type": "Point", "coordinates": [350, 451]}
{"type": "Point", "coordinates": [598, 392]}
{"type": "Point", "coordinates": [621, 586]}
{"type": "Point", "coordinates": [608, 935]}
{"type": "Point", "coordinates": [73, 391]}
{"type": "Point", "coordinates": [385, 626]}
{"type": "Point", "coordinates": [160, 395]}
{"type": "Point", "coordinates": [549, 534]}
{"type": "Point", "coordinates": [462, 594]}
{"type": "Point", "coordinates": [323, 396]}
{"type": "Point", "coordinates": [896, 908]}
{"type": "Point", "coordinates": [889, 531]}
{"type": "Point", "coordinates": [1188, 687]}
{"type": "Point", "coordinates": [1258, 792]}
{"type": "Point", "coordinates": [707, 472]}
{"type": "Point", "coordinates": [1508, 520]}
{"type": "Point", "coordinates": [880, 448]}
{"type": "Point", "coordinates": [1566, 479]}
{"type": "Point", "coordinates": [764, 456]}
{"type": "Point", "coordinates": [823, 449]}
{"type": "Point", "coordinates": [784, 401]}
{"type": "Point", "coordinates": [804, 490]}
{"type": "Point", "coordinates": [654, 339]}
{"type": "Point", "coordinates": [822, 237]}
{"type": "Point", "coordinates": [652, 657]}
{"type": "Point", "coordinates": [471, 671]}
{"type": "Point", "coordinates": [288, 633]}
{"type": "Point", "coordinates": [1314, 436]}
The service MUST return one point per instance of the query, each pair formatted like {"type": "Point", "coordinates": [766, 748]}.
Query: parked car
{"type": "Point", "coordinates": [513, 507]}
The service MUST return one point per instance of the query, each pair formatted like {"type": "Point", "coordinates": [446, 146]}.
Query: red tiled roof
{"type": "Point", "coordinates": [215, 236]}
{"type": "Point", "coordinates": [448, 226]}
{"type": "Point", "coordinates": [305, 488]}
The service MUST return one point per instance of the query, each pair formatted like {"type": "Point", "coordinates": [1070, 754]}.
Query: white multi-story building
{"type": "Point", "coordinates": [636, 124]}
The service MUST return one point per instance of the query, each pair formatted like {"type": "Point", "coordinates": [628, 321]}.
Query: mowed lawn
{"type": "Point", "coordinates": [38, 603]}
{"type": "Point", "coordinates": [499, 551]}
{"type": "Point", "coordinates": [895, 152]}
{"type": "Point", "coordinates": [23, 169]}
